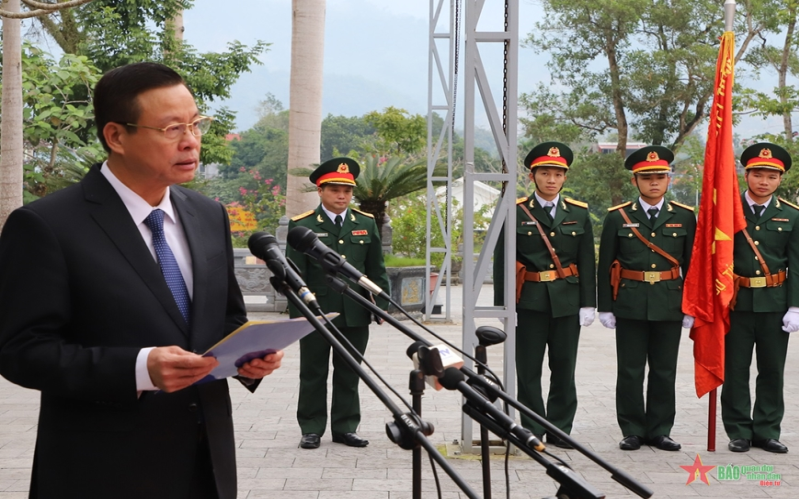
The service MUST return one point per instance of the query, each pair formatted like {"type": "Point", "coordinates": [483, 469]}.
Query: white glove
{"type": "Point", "coordinates": [687, 322]}
{"type": "Point", "coordinates": [587, 315]}
{"type": "Point", "coordinates": [790, 321]}
{"type": "Point", "coordinates": [607, 319]}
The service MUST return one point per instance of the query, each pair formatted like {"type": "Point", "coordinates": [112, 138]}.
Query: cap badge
{"type": "Point", "coordinates": [765, 153]}
{"type": "Point", "coordinates": [343, 168]}
{"type": "Point", "coordinates": [554, 152]}
{"type": "Point", "coordinates": [652, 156]}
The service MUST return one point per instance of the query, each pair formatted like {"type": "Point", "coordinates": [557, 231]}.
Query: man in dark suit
{"type": "Point", "coordinates": [556, 288]}
{"type": "Point", "coordinates": [353, 234]}
{"type": "Point", "coordinates": [110, 289]}
{"type": "Point", "coordinates": [766, 305]}
{"type": "Point", "coordinates": [639, 285]}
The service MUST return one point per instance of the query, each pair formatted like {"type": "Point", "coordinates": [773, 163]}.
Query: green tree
{"type": "Point", "coordinates": [112, 33]}
{"type": "Point", "coordinates": [342, 134]}
{"type": "Point", "coordinates": [58, 127]}
{"type": "Point", "coordinates": [397, 131]}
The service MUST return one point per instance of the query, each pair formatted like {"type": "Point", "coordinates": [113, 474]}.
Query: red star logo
{"type": "Point", "coordinates": [697, 470]}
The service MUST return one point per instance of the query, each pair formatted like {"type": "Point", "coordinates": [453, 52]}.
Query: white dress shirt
{"type": "Point", "coordinates": [752, 204]}
{"type": "Point", "coordinates": [139, 210]}
{"type": "Point", "coordinates": [646, 206]}
{"type": "Point", "coordinates": [333, 216]}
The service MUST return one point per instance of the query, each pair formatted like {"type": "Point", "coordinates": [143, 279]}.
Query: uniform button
{"type": "Point", "coordinates": [757, 243]}
{"type": "Point", "coordinates": [653, 234]}
{"type": "Point", "coordinates": [192, 407]}
{"type": "Point", "coordinates": [757, 227]}
{"type": "Point", "coordinates": [757, 272]}
{"type": "Point", "coordinates": [552, 265]}
{"type": "Point", "coordinates": [779, 229]}
{"type": "Point", "coordinates": [529, 233]}
{"type": "Point", "coordinates": [551, 234]}
{"type": "Point", "coordinates": [344, 256]}
{"type": "Point", "coordinates": [361, 241]}
{"type": "Point", "coordinates": [629, 235]}
{"type": "Point", "coordinates": [574, 233]}
{"type": "Point", "coordinates": [340, 241]}
{"type": "Point", "coordinates": [675, 234]}
{"type": "Point", "coordinates": [757, 259]}
{"type": "Point", "coordinates": [654, 265]}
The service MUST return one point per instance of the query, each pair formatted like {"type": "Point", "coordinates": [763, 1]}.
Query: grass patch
{"type": "Point", "coordinates": [403, 261]}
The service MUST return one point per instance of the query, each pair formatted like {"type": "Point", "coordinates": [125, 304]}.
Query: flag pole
{"type": "Point", "coordinates": [729, 20]}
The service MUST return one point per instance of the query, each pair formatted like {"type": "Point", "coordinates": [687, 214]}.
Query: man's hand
{"type": "Point", "coordinates": [172, 368]}
{"type": "Point", "coordinates": [587, 315]}
{"type": "Point", "coordinates": [258, 368]}
{"type": "Point", "coordinates": [687, 322]}
{"type": "Point", "coordinates": [790, 321]}
{"type": "Point", "coordinates": [607, 319]}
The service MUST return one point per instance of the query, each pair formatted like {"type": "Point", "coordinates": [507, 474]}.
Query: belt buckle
{"type": "Point", "coordinates": [757, 282]}
{"type": "Point", "coordinates": [652, 277]}
{"type": "Point", "coordinates": [547, 275]}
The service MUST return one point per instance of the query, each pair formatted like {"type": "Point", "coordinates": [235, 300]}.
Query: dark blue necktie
{"type": "Point", "coordinates": [169, 266]}
{"type": "Point", "coordinates": [758, 210]}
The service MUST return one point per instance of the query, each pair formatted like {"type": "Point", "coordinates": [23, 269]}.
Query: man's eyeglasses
{"type": "Point", "coordinates": [198, 128]}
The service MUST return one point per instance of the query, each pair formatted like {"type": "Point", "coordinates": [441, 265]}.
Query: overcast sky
{"type": "Point", "coordinates": [376, 54]}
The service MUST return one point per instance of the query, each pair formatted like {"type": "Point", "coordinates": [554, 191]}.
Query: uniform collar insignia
{"type": "Point", "coordinates": [319, 218]}
{"type": "Point", "coordinates": [635, 206]}
{"type": "Point", "coordinates": [532, 201]}
{"type": "Point", "coordinates": [670, 207]}
{"type": "Point", "coordinates": [352, 216]}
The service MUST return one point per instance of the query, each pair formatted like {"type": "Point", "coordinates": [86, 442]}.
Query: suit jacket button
{"type": "Point", "coordinates": [192, 407]}
{"type": "Point", "coordinates": [341, 242]}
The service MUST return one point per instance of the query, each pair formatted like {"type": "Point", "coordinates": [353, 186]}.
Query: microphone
{"type": "Point", "coordinates": [305, 241]}
{"type": "Point", "coordinates": [435, 361]}
{"type": "Point", "coordinates": [265, 247]}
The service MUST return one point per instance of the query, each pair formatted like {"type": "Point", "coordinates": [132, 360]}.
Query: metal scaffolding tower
{"type": "Point", "coordinates": [502, 120]}
{"type": "Point", "coordinates": [441, 93]}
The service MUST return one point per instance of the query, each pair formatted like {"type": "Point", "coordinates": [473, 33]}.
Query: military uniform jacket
{"type": "Point", "coordinates": [776, 234]}
{"type": "Point", "coordinates": [571, 235]}
{"type": "Point", "coordinates": [673, 232]}
{"type": "Point", "coordinates": [359, 242]}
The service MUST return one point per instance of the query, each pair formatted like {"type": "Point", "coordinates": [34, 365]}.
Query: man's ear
{"type": "Point", "coordinates": [634, 181]}
{"type": "Point", "coordinates": [115, 135]}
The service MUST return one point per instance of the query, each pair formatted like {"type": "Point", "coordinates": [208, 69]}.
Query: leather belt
{"type": "Point", "coordinates": [550, 275]}
{"type": "Point", "coordinates": [651, 277]}
{"type": "Point", "coordinates": [769, 281]}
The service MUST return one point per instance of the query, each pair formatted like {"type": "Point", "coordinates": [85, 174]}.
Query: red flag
{"type": "Point", "coordinates": [709, 283]}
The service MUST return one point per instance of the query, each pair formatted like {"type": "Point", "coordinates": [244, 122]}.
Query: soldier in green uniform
{"type": "Point", "coordinates": [640, 294]}
{"type": "Point", "coordinates": [555, 288]}
{"type": "Point", "coordinates": [354, 235]}
{"type": "Point", "coordinates": [765, 255]}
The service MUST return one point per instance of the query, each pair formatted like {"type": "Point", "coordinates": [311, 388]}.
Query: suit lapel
{"type": "Point", "coordinates": [774, 208]}
{"type": "Point", "coordinates": [350, 222]}
{"type": "Point", "coordinates": [324, 223]}
{"type": "Point", "coordinates": [560, 214]}
{"type": "Point", "coordinates": [110, 213]}
{"type": "Point", "coordinates": [639, 214]}
{"type": "Point", "coordinates": [199, 253]}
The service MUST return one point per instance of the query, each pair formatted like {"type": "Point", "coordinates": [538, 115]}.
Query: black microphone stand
{"type": "Point", "coordinates": [416, 387]}
{"type": "Point", "coordinates": [486, 336]}
{"type": "Point", "coordinates": [497, 421]}
{"type": "Point", "coordinates": [407, 430]}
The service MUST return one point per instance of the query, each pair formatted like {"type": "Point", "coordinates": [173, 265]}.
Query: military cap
{"type": "Point", "coordinates": [336, 171]}
{"type": "Point", "coordinates": [549, 154]}
{"type": "Point", "coordinates": [766, 155]}
{"type": "Point", "coordinates": [650, 159]}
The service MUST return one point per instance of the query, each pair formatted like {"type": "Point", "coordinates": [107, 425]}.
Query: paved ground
{"type": "Point", "coordinates": [272, 466]}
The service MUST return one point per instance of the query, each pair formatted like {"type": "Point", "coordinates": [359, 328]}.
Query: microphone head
{"type": "Point", "coordinates": [414, 347]}
{"type": "Point", "coordinates": [451, 377]}
{"type": "Point", "coordinates": [301, 238]}
{"type": "Point", "coordinates": [258, 243]}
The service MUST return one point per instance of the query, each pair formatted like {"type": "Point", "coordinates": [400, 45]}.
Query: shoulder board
{"type": "Point", "coordinates": [363, 213]}
{"type": "Point", "coordinates": [683, 206]}
{"type": "Point", "coordinates": [302, 215]}
{"type": "Point", "coordinates": [628, 203]}
{"type": "Point", "coordinates": [576, 203]}
{"type": "Point", "coordinates": [522, 200]}
{"type": "Point", "coordinates": [789, 204]}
